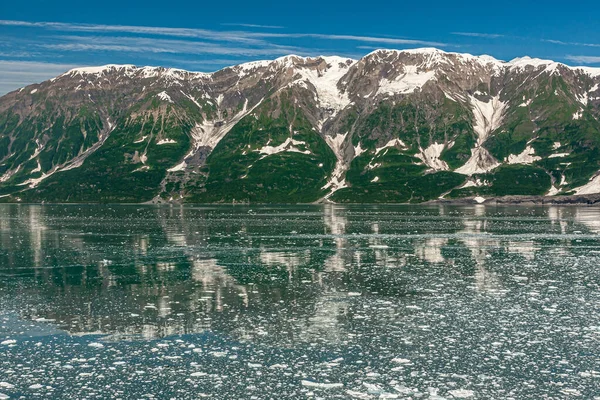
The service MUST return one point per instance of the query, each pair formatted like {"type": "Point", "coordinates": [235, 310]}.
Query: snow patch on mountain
{"type": "Point", "coordinates": [289, 145]}
{"type": "Point", "coordinates": [592, 187]}
{"type": "Point", "coordinates": [209, 133]}
{"type": "Point", "coordinates": [164, 97]}
{"type": "Point", "coordinates": [9, 174]}
{"type": "Point", "coordinates": [408, 82]}
{"type": "Point", "coordinates": [527, 156]}
{"type": "Point", "coordinates": [179, 167]}
{"type": "Point", "coordinates": [391, 143]}
{"type": "Point", "coordinates": [166, 141]}
{"type": "Point", "coordinates": [99, 70]}
{"type": "Point", "coordinates": [558, 155]}
{"type": "Point", "coordinates": [480, 162]}
{"type": "Point", "coordinates": [337, 181]}
{"type": "Point", "coordinates": [326, 82]}
{"type": "Point", "coordinates": [488, 116]}
{"type": "Point", "coordinates": [521, 64]}
{"type": "Point", "coordinates": [431, 157]}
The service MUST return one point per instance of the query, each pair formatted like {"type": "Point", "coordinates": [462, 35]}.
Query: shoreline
{"type": "Point", "coordinates": [572, 200]}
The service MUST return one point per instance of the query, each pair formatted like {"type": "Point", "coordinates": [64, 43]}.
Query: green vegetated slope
{"type": "Point", "coordinates": [237, 170]}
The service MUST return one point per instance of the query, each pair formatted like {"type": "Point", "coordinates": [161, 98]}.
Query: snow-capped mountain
{"type": "Point", "coordinates": [394, 126]}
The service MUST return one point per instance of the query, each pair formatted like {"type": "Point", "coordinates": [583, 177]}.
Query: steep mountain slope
{"type": "Point", "coordinates": [394, 126]}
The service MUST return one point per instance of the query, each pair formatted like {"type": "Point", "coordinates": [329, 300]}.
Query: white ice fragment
{"type": "Point", "coordinates": [401, 360]}
{"type": "Point", "coordinates": [318, 385]}
{"type": "Point", "coordinates": [461, 393]}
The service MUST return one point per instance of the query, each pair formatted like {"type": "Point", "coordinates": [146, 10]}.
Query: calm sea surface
{"type": "Point", "coordinates": [299, 302]}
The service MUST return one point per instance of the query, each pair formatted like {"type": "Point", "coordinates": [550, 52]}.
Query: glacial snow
{"type": "Point", "coordinates": [325, 82]}
{"type": "Point", "coordinates": [527, 156]}
{"type": "Point", "coordinates": [411, 80]}
{"type": "Point", "coordinates": [391, 143]}
{"type": "Point", "coordinates": [592, 187]}
{"type": "Point", "coordinates": [480, 162]}
{"type": "Point", "coordinates": [431, 157]}
{"type": "Point", "coordinates": [336, 182]}
{"type": "Point", "coordinates": [289, 145]}
{"type": "Point", "coordinates": [488, 117]}
{"type": "Point", "coordinates": [164, 97]}
{"type": "Point", "coordinates": [166, 141]}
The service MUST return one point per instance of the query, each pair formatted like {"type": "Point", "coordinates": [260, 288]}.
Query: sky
{"type": "Point", "coordinates": [40, 39]}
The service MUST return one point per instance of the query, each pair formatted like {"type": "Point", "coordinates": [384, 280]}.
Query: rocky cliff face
{"type": "Point", "coordinates": [394, 126]}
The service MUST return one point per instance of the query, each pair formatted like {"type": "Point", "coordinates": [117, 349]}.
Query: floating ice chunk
{"type": "Point", "coordinates": [96, 345]}
{"type": "Point", "coordinates": [401, 360]}
{"type": "Point", "coordinates": [319, 385]}
{"type": "Point", "coordinates": [461, 393]}
{"type": "Point", "coordinates": [8, 342]}
{"type": "Point", "coordinates": [36, 386]}
{"type": "Point", "coordinates": [6, 385]}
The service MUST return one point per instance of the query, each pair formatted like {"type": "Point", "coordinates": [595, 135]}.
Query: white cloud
{"type": "Point", "coordinates": [584, 59]}
{"type": "Point", "coordinates": [230, 36]}
{"type": "Point", "coordinates": [256, 26]}
{"type": "Point", "coordinates": [571, 43]}
{"type": "Point", "coordinates": [16, 74]}
{"type": "Point", "coordinates": [480, 35]}
{"type": "Point", "coordinates": [158, 45]}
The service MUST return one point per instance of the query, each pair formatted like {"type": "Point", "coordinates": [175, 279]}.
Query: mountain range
{"type": "Point", "coordinates": [394, 126]}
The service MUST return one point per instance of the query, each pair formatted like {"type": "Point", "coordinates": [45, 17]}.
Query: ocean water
{"type": "Point", "coordinates": [299, 302]}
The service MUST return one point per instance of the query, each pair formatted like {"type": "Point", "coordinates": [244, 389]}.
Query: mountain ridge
{"type": "Point", "coordinates": [524, 60]}
{"type": "Point", "coordinates": [393, 126]}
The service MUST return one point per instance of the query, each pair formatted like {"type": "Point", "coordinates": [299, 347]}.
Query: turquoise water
{"type": "Point", "coordinates": [295, 302]}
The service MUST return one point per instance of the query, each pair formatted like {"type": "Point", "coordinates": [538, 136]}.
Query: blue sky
{"type": "Point", "coordinates": [40, 39]}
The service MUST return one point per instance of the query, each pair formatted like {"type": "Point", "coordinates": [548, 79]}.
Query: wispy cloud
{"type": "Point", "coordinates": [233, 36]}
{"type": "Point", "coordinates": [14, 74]}
{"type": "Point", "coordinates": [87, 44]}
{"type": "Point", "coordinates": [154, 45]}
{"type": "Point", "coordinates": [255, 26]}
{"type": "Point", "coordinates": [584, 59]}
{"type": "Point", "coordinates": [562, 43]}
{"type": "Point", "coordinates": [479, 35]}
